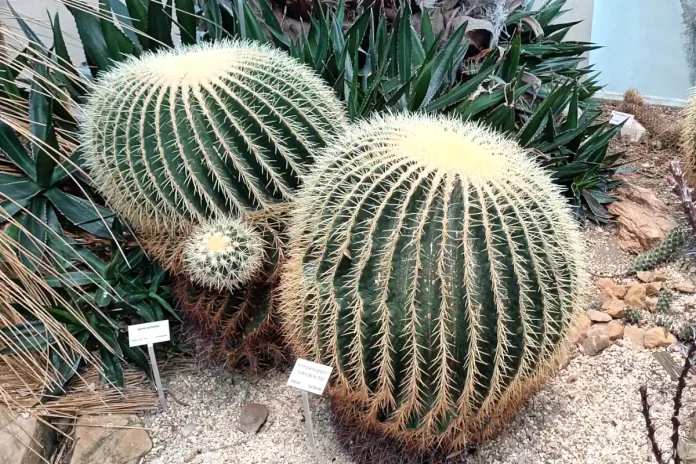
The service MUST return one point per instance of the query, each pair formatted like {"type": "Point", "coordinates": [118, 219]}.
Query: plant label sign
{"type": "Point", "coordinates": [309, 376]}
{"type": "Point", "coordinates": [617, 117]}
{"type": "Point", "coordinates": [149, 333]}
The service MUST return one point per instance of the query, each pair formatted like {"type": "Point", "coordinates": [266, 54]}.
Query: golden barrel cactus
{"type": "Point", "coordinates": [205, 131]}
{"type": "Point", "coordinates": [439, 271]}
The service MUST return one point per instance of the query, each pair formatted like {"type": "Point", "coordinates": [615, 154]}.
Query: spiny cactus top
{"type": "Point", "coordinates": [224, 254]}
{"type": "Point", "coordinates": [205, 131]}
{"type": "Point", "coordinates": [437, 268]}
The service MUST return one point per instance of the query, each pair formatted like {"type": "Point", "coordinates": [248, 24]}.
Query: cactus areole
{"type": "Point", "coordinates": [437, 268]}
{"type": "Point", "coordinates": [206, 131]}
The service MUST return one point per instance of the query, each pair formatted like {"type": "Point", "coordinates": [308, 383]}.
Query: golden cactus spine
{"type": "Point", "coordinates": [437, 268]}
{"type": "Point", "coordinates": [210, 130]}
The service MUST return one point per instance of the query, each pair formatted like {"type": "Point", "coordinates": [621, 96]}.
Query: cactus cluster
{"type": "Point", "coordinates": [200, 148]}
{"type": "Point", "coordinates": [432, 263]}
{"type": "Point", "coordinates": [436, 267]}
{"type": "Point", "coordinates": [205, 131]}
{"type": "Point", "coordinates": [663, 251]}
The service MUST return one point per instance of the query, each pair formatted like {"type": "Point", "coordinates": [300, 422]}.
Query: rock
{"type": "Point", "coordinates": [584, 323]}
{"type": "Point", "coordinates": [645, 276]}
{"type": "Point", "coordinates": [252, 417]}
{"type": "Point", "coordinates": [23, 439]}
{"type": "Point", "coordinates": [635, 296]}
{"type": "Point", "coordinates": [615, 308]}
{"type": "Point", "coordinates": [615, 330]}
{"type": "Point", "coordinates": [659, 277]}
{"type": "Point", "coordinates": [97, 441]}
{"type": "Point", "coordinates": [656, 338]}
{"type": "Point", "coordinates": [634, 335]}
{"type": "Point", "coordinates": [634, 131]}
{"type": "Point", "coordinates": [604, 283]}
{"type": "Point", "coordinates": [686, 448]}
{"type": "Point", "coordinates": [595, 344]}
{"type": "Point", "coordinates": [597, 316]}
{"type": "Point", "coordinates": [651, 303]}
{"type": "Point", "coordinates": [653, 288]}
{"type": "Point", "coordinates": [619, 290]}
{"type": "Point", "coordinates": [188, 430]}
{"type": "Point", "coordinates": [596, 329]}
{"type": "Point", "coordinates": [685, 287]}
{"type": "Point", "coordinates": [643, 219]}
{"type": "Point", "coordinates": [671, 338]}
{"type": "Point", "coordinates": [606, 295]}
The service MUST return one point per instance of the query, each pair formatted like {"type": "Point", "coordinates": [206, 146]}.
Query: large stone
{"type": "Point", "coordinates": [634, 335]}
{"type": "Point", "coordinates": [619, 290]}
{"type": "Point", "coordinates": [606, 295]}
{"type": "Point", "coordinates": [651, 303]}
{"type": "Point", "coordinates": [597, 329]}
{"type": "Point", "coordinates": [653, 288]}
{"type": "Point", "coordinates": [598, 316]}
{"type": "Point", "coordinates": [102, 440]}
{"type": "Point", "coordinates": [645, 276]}
{"type": "Point", "coordinates": [595, 344]}
{"type": "Point", "coordinates": [23, 438]}
{"type": "Point", "coordinates": [615, 330]}
{"type": "Point", "coordinates": [635, 296]}
{"type": "Point", "coordinates": [615, 308]}
{"type": "Point", "coordinates": [584, 323]}
{"type": "Point", "coordinates": [604, 283]}
{"type": "Point", "coordinates": [643, 219]}
{"type": "Point", "coordinates": [252, 417]}
{"type": "Point", "coordinates": [685, 287]}
{"type": "Point", "coordinates": [657, 337]}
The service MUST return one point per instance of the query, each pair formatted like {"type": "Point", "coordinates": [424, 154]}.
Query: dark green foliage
{"type": "Point", "coordinates": [663, 250]}
{"type": "Point", "coordinates": [664, 302]}
{"type": "Point", "coordinates": [531, 85]}
{"type": "Point", "coordinates": [634, 315]}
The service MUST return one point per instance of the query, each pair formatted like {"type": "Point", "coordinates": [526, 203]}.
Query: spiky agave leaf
{"type": "Point", "coordinates": [437, 268]}
{"type": "Point", "coordinates": [204, 131]}
{"type": "Point", "coordinates": [224, 254]}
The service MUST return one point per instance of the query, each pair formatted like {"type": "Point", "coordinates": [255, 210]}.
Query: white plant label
{"type": "Point", "coordinates": [309, 376]}
{"type": "Point", "coordinates": [617, 117]}
{"type": "Point", "coordinates": [149, 333]}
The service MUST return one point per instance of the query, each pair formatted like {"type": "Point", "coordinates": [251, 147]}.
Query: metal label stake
{"type": "Point", "coordinates": [149, 334]}
{"type": "Point", "coordinates": [310, 427]}
{"type": "Point", "coordinates": [310, 377]}
{"type": "Point", "coordinates": [155, 374]}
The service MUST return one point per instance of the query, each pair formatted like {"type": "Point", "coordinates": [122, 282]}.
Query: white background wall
{"type": "Point", "coordinates": [39, 10]}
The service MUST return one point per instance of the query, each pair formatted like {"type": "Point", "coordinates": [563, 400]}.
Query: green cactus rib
{"type": "Point", "coordinates": [437, 268]}
{"type": "Point", "coordinates": [205, 131]}
{"type": "Point", "coordinates": [663, 251]}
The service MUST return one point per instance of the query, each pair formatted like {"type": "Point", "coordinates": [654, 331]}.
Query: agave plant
{"type": "Point", "coordinates": [530, 85]}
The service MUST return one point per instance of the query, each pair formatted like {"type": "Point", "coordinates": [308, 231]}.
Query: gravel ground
{"type": "Point", "coordinates": [200, 426]}
{"type": "Point", "coordinates": [589, 413]}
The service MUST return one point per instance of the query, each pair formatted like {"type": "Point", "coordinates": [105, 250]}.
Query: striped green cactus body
{"type": "Point", "coordinates": [437, 268]}
{"type": "Point", "coordinates": [210, 130]}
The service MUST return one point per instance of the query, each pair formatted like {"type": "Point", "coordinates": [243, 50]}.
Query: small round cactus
{"type": "Point", "coordinates": [224, 254]}
{"type": "Point", "coordinates": [205, 131]}
{"type": "Point", "coordinates": [435, 266]}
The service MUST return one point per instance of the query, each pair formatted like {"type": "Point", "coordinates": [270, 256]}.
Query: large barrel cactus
{"type": "Point", "coordinates": [205, 131]}
{"type": "Point", "coordinates": [200, 148]}
{"type": "Point", "coordinates": [436, 267]}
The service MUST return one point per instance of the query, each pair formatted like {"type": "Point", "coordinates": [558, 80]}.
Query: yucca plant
{"type": "Point", "coordinates": [437, 268]}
